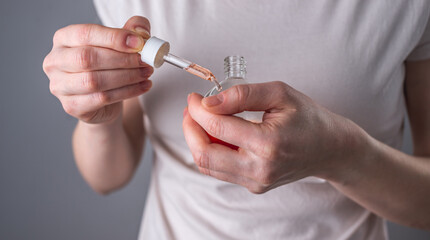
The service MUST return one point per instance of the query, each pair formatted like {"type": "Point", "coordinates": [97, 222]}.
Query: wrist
{"type": "Point", "coordinates": [110, 126]}
{"type": "Point", "coordinates": [354, 149]}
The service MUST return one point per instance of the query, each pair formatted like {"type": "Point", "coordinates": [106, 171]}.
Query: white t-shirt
{"type": "Point", "coordinates": [346, 55]}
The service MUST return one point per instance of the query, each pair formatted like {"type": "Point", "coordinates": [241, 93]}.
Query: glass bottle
{"type": "Point", "coordinates": [235, 74]}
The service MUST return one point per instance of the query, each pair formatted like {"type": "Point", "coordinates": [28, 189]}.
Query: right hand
{"type": "Point", "coordinates": [93, 68]}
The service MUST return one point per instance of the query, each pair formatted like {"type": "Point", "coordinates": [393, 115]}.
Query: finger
{"type": "Point", "coordinates": [251, 185]}
{"type": "Point", "coordinates": [96, 81]}
{"type": "Point", "coordinates": [121, 40]}
{"type": "Point", "coordinates": [251, 97]}
{"type": "Point", "coordinates": [226, 177]}
{"type": "Point", "coordinates": [230, 129]}
{"type": "Point", "coordinates": [139, 25]}
{"type": "Point", "coordinates": [81, 104]}
{"type": "Point", "coordinates": [83, 59]}
{"type": "Point", "coordinates": [213, 156]}
{"type": "Point", "coordinates": [195, 135]}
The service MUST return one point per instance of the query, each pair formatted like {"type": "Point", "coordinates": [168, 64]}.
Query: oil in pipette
{"type": "Point", "coordinates": [204, 73]}
{"type": "Point", "coordinates": [156, 52]}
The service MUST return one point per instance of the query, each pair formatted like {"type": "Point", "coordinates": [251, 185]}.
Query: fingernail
{"type": "Point", "coordinates": [145, 85]}
{"type": "Point", "coordinates": [134, 41]}
{"type": "Point", "coordinates": [145, 71]}
{"type": "Point", "coordinates": [145, 34]}
{"type": "Point", "coordinates": [185, 112]}
{"type": "Point", "coordinates": [188, 98]}
{"type": "Point", "coordinates": [213, 100]}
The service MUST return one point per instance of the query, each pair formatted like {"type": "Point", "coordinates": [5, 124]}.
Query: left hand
{"type": "Point", "coordinates": [297, 138]}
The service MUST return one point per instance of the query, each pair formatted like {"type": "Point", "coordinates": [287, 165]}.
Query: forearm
{"type": "Point", "coordinates": [104, 155]}
{"type": "Point", "coordinates": [388, 182]}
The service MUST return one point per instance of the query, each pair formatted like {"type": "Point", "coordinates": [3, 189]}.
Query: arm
{"type": "Point", "coordinates": [299, 138]}
{"type": "Point", "coordinates": [388, 182]}
{"type": "Point", "coordinates": [107, 154]}
{"type": "Point", "coordinates": [96, 73]}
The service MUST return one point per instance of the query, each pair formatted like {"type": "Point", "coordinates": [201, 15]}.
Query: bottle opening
{"type": "Point", "coordinates": [234, 66]}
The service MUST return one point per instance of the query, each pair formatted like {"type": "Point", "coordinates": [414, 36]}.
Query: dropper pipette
{"type": "Point", "coordinates": [192, 68]}
{"type": "Point", "coordinates": [156, 52]}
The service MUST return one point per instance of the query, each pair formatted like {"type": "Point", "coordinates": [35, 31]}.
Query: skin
{"type": "Point", "coordinates": [298, 138]}
{"type": "Point", "coordinates": [96, 73]}
{"type": "Point", "coordinates": [97, 77]}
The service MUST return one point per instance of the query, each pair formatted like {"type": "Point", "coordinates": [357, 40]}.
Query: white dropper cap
{"type": "Point", "coordinates": [154, 51]}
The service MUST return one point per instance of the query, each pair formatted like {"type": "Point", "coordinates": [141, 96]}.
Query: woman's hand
{"type": "Point", "coordinates": [93, 68]}
{"type": "Point", "coordinates": [296, 139]}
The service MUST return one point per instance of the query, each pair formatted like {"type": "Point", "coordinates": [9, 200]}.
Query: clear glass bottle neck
{"type": "Point", "coordinates": [234, 67]}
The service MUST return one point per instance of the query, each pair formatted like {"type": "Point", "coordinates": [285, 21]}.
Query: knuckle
{"type": "Point", "coordinates": [103, 97]}
{"type": "Point", "coordinates": [53, 88]}
{"type": "Point", "coordinates": [256, 189]}
{"type": "Point", "coordinates": [47, 64]}
{"type": "Point", "coordinates": [201, 158]}
{"type": "Point", "coordinates": [113, 37]}
{"type": "Point", "coordinates": [129, 60]}
{"type": "Point", "coordinates": [70, 107]}
{"type": "Point", "coordinates": [56, 39]}
{"type": "Point", "coordinates": [84, 33]}
{"type": "Point", "coordinates": [67, 108]}
{"type": "Point", "coordinates": [137, 21]}
{"type": "Point", "coordinates": [279, 85]}
{"type": "Point", "coordinates": [267, 178]}
{"type": "Point", "coordinates": [144, 20]}
{"type": "Point", "coordinates": [205, 171]}
{"type": "Point", "coordinates": [90, 81]}
{"type": "Point", "coordinates": [215, 127]}
{"type": "Point", "coordinates": [135, 18]}
{"type": "Point", "coordinates": [85, 58]}
{"type": "Point", "coordinates": [243, 92]}
{"type": "Point", "coordinates": [275, 142]}
{"type": "Point", "coordinates": [283, 90]}
{"type": "Point", "coordinates": [266, 147]}
{"type": "Point", "coordinates": [197, 156]}
{"type": "Point", "coordinates": [264, 173]}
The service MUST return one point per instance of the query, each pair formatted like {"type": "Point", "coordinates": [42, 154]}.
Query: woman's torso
{"type": "Point", "coordinates": [346, 55]}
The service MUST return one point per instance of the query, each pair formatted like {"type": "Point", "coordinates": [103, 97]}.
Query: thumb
{"type": "Point", "coordinates": [139, 25]}
{"type": "Point", "coordinates": [251, 97]}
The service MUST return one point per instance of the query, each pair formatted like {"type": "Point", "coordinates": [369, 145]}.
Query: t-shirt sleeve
{"type": "Point", "coordinates": [422, 49]}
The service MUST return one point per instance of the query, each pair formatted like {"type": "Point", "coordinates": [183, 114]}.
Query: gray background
{"type": "Point", "coordinates": [42, 195]}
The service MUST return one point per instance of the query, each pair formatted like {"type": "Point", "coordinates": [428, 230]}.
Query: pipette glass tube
{"type": "Point", "coordinates": [192, 68]}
